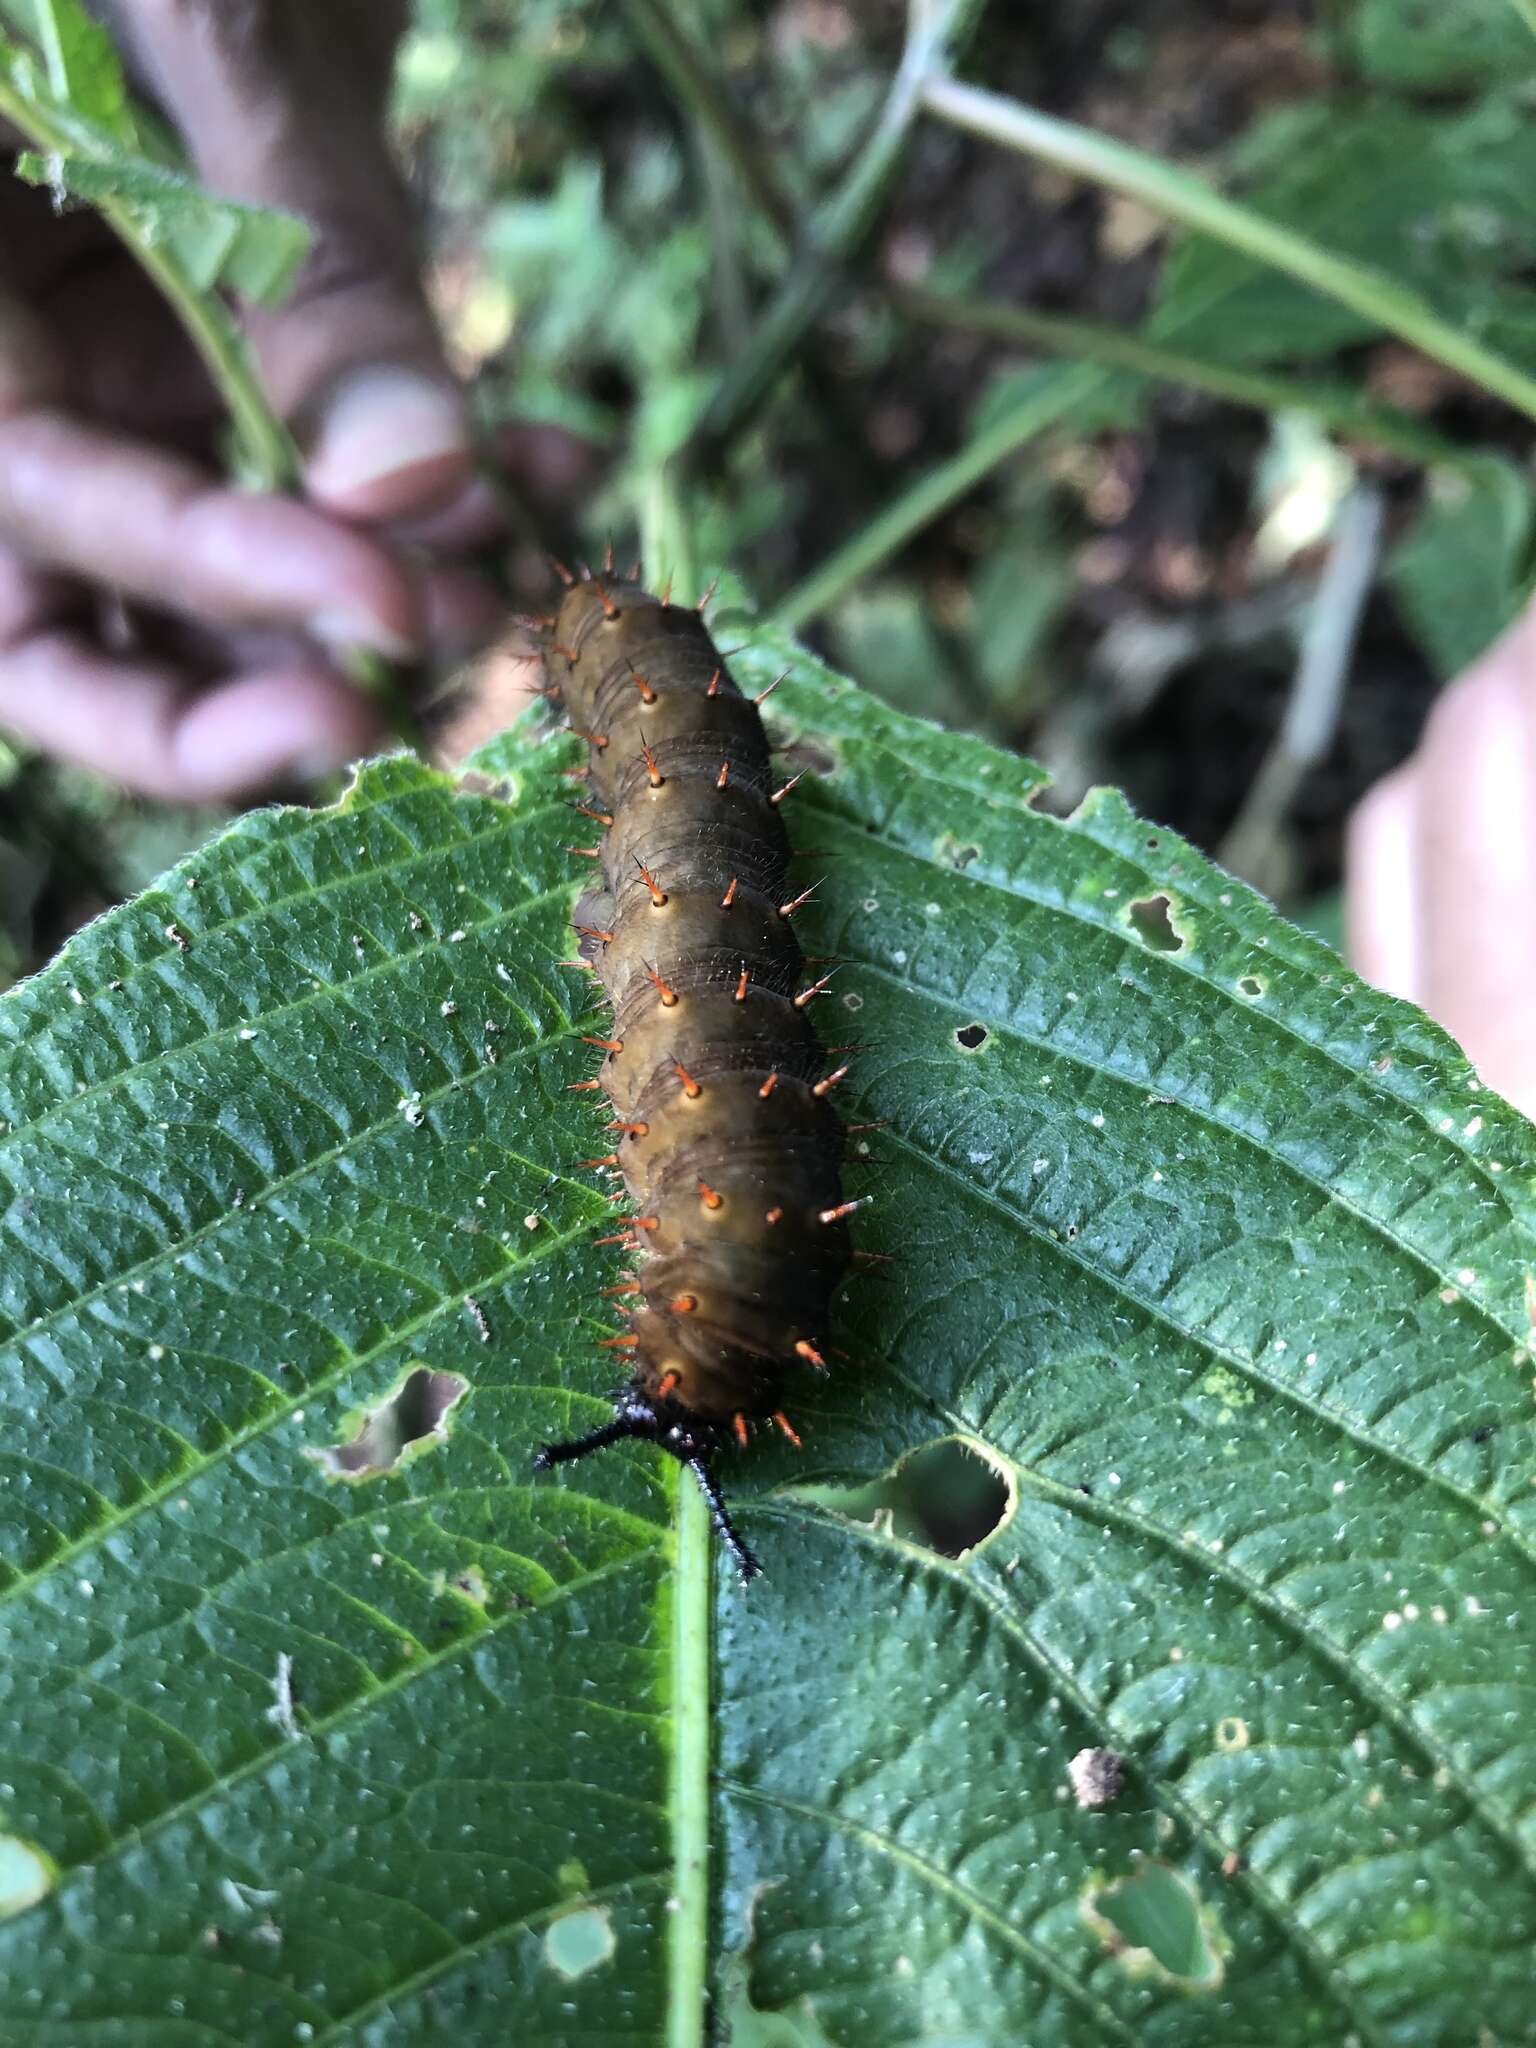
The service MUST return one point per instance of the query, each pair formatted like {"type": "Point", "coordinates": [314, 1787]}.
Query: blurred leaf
{"type": "Point", "coordinates": [1445, 202]}
{"type": "Point", "coordinates": [1462, 572]}
{"type": "Point", "coordinates": [1437, 45]}
{"type": "Point", "coordinates": [1020, 588]}
{"type": "Point", "coordinates": [884, 632]}
{"type": "Point", "coordinates": [253, 252]}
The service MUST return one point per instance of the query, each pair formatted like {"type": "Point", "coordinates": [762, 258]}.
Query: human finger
{"type": "Point", "coordinates": [1476, 837]}
{"type": "Point", "coordinates": [77, 498]}
{"type": "Point", "coordinates": [138, 724]}
{"type": "Point", "coordinates": [281, 104]}
{"type": "Point", "coordinates": [1382, 882]}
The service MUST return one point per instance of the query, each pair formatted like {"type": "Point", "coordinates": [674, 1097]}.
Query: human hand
{"type": "Point", "coordinates": [1441, 868]}
{"type": "Point", "coordinates": [154, 624]}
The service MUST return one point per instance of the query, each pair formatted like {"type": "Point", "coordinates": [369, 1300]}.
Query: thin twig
{"type": "Point", "coordinates": [1054, 399]}
{"type": "Point", "coordinates": [699, 88]}
{"type": "Point", "coordinates": [1317, 692]}
{"type": "Point", "coordinates": [1337, 405]}
{"type": "Point", "coordinates": [1372, 294]}
{"type": "Point", "coordinates": [938, 33]}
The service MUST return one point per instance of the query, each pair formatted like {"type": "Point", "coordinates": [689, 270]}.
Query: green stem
{"type": "Point", "coordinates": [938, 33]}
{"type": "Point", "coordinates": [265, 444]}
{"type": "Point", "coordinates": [269, 458]}
{"type": "Point", "coordinates": [1371, 293]}
{"type": "Point", "coordinates": [1336, 405]}
{"type": "Point", "coordinates": [666, 537]}
{"type": "Point", "coordinates": [691, 1720]}
{"type": "Point", "coordinates": [935, 493]}
{"type": "Point", "coordinates": [696, 86]}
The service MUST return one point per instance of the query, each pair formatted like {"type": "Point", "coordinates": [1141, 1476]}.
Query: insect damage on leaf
{"type": "Point", "coordinates": [414, 1415]}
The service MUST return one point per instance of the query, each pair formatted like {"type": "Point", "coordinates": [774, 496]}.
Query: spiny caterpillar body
{"type": "Point", "coordinates": [723, 1132]}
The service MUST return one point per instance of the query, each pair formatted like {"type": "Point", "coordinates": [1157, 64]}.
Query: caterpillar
{"type": "Point", "coordinates": [729, 1148]}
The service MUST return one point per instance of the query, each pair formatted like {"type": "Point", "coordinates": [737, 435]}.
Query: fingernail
{"type": "Point", "coordinates": [342, 631]}
{"type": "Point", "coordinates": [391, 441]}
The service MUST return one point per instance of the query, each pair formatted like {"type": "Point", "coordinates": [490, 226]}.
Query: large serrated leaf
{"type": "Point", "coordinates": [1219, 1259]}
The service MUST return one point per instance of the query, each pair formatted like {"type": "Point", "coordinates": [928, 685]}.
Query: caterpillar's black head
{"type": "Point", "coordinates": [689, 1438]}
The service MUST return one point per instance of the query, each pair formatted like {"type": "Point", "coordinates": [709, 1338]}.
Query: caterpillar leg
{"type": "Point", "coordinates": [690, 1445]}
{"type": "Point", "coordinates": [550, 1455]}
{"type": "Point", "coordinates": [747, 1565]}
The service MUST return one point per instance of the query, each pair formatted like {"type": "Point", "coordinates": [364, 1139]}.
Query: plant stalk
{"type": "Point", "coordinates": [935, 493]}
{"type": "Point", "coordinates": [1371, 293]}
{"type": "Point", "coordinates": [1337, 405]}
{"type": "Point", "coordinates": [938, 32]}
{"type": "Point", "coordinates": [268, 455]}
{"type": "Point", "coordinates": [689, 1705]}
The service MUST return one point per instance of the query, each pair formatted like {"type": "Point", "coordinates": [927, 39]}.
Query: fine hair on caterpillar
{"type": "Point", "coordinates": [721, 1126]}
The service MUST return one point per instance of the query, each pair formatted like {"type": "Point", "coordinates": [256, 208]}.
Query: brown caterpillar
{"type": "Point", "coordinates": [728, 1145]}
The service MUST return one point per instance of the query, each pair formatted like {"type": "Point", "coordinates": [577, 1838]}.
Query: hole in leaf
{"type": "Point", "coordinates": [415, 1414]}
{"type": "Point", "coordinates": [578, 1942]}
{"type": "Point", "coordinates": [1151, 919]}
{"type": "Point", "coordinates": [971, 1037]}
{"type": "Point", "coordinates": [1250, 986]}
{"type": "Point", "coordinates": [26, 1876]}
{"type": "Point", "coordinates": [745, 2025]}
{"type": "Point", "coordinates": [951, 1496]}
{"type": "Point", "coordinates": [1155, 1923]}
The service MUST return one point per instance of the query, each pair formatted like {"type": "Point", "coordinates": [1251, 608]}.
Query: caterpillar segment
{"type": "Point", "coordinates": [722, 1131]}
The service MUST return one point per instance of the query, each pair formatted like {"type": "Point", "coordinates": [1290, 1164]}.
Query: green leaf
{"type": "Point", "coordinates": [1437, 45]}
{"type": "Point", "coordinates": [254, 252]}
{"type": "Point", "coordinates": [62, 87]}
{"type": "Point", "coordinates": [1461, 573]}
{"type": "Point", "coordinates": [79, 59]}
{"type": "Point", "coordinates": [1442, 201]}
{"type": "Point", "coordinates": [1212, 1262]}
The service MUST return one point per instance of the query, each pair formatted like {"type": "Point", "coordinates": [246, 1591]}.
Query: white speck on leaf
{"type": "Point", "coordinates": [281, 1713]}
